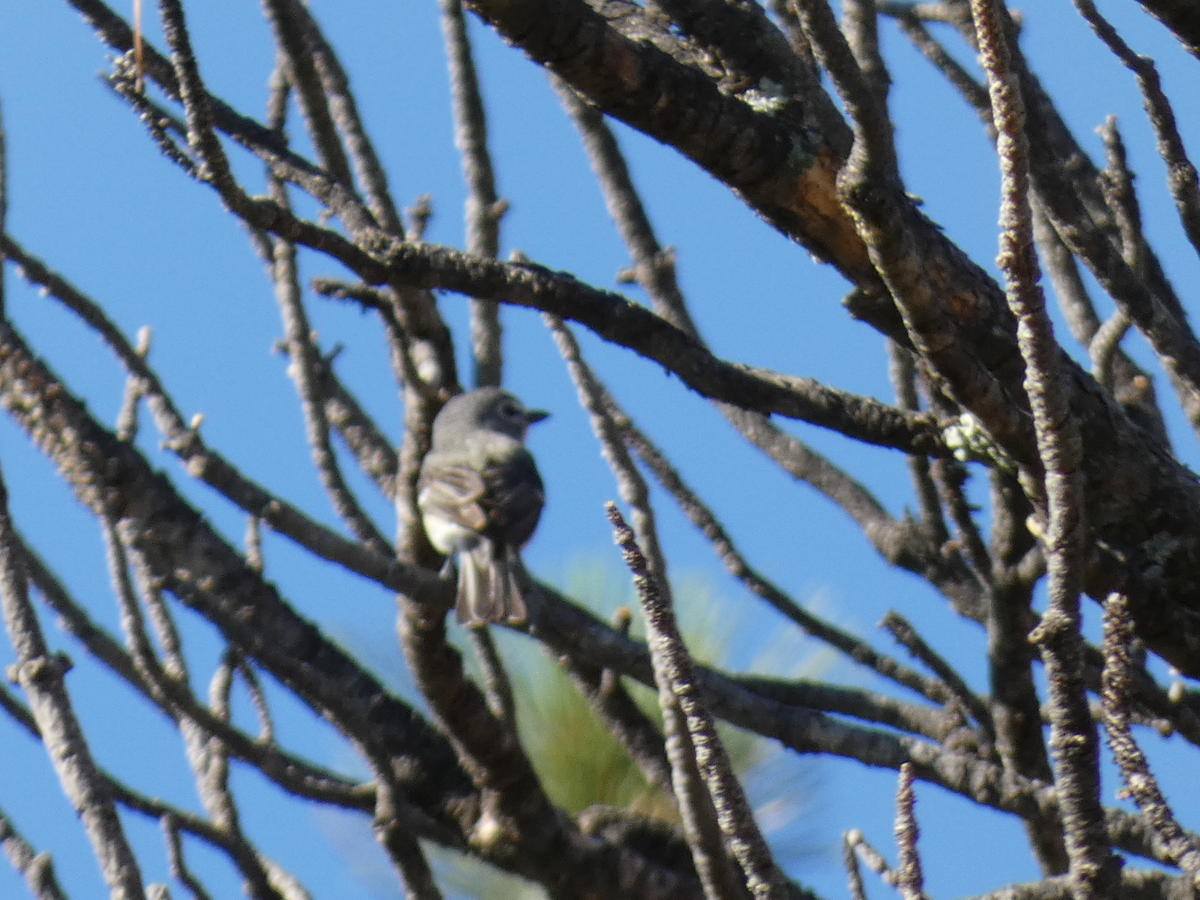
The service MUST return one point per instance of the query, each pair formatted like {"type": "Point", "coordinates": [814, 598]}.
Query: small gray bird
{"type": "Point", "coordinates": [480, 498]}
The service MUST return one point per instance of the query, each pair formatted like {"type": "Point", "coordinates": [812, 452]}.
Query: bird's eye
{"type": "Point", "coordinates": [510, 410]}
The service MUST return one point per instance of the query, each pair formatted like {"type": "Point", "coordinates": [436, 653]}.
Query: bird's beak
{"type": "Point", "coordinates": [535, 415]}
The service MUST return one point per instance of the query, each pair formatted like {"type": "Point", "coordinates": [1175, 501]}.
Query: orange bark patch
{"type": "Point", "coordinates": [826, 224]}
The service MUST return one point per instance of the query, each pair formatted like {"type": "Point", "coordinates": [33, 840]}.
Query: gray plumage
{"type": "Point", "coordinates": [480, 498]}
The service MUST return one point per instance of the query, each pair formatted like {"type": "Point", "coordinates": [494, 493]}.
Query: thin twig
{"type": "Point", "coordinates": [305, 370]}
{"type": "Point", "coordinates": [1119, 637]}
{"type": "Point", "coordinates": [36, 869]}
{"type": "Point", "coordinates": [860, 23]}
{"type": "Point", "coordinates": [1104, 346]}
{"type": "Point", "coordinates": [211, 467]}
{"type": "Point", "coordinates": [135, 389]}
{"type": "Point", "coordinates": [483, 206]}
{"type": "Point", "coordinates": [673, 669]}
{"type": "Point", "coordinates": [1015, 705]}
{"type": "Point", "coordinates": [1134, 883]}
{"type": "Point", "coordinates": [871, 857]}
{"type": "Point", "coordinates": [343, 113]}
{"type": "Point", "coordinates": [402, 846]}
{"type": "Point", "coordinates": [1116, 182]}
{"type": "Point", "coordinates": [696, 805]}
{"type": "Point", "coordinates": [179, 867]}
{"type": "Point", "coordinates": [622, 717]}
{"type": "Point", "coordinates": [206, 754]}
{"type": "Point", "coordinates": [393, 262]}
{"type": "Point", "coordinates": [947, 723]}
{"type": "Point", "coordinates": [903, 375]}
{"type": "Point", "coordinates": [307, 365]}
{"type": "Point", "coordinates": [497, 686]}
{"type": "Point", "coordinates": [3, 203]}
{"type": "Point", "coordinates": [19, 712]}
{"type": "Point", "coordinates": [950, 476]}
{"type": "Point", "coordinates": [735, 563]}
{"type": "Point", "coordinates": [1094, 871]}
{"type": "Point", "coordinates": [295, 59]}
{"type": "Point", "coordinates": [654, 265]}
{"type": "Point", "coordinates": [1181, 172]}
{"type": "Point", "coordinates": [902, 630]}
{"type": "Point", "coordinates": [137, 642]}
{"type": "Point", "coordinates": [902, 250]}
{"type": "Point", "coordinates": [910, 880]}
{"type": "Point", "coordinates": [254, 548]}
{"type": "Point", "coordinates": [854, 880]}
{"type": "Point", "coordinates": [862, 95]}
{"type": "Point", "coordinates": [654, 270]}
{"type": "Point", "coordinates": [295, 775]}
{"type": "Point", "coordinates": [258, 697]}
{"type": "Point", "coordinates": [40, 675]}
{"type": "Point", "coordinates": [1134, 388]}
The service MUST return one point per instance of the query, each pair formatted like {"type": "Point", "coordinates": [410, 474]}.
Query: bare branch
{"type": "Point", "coordinates": [3, 203]}
{"type": "Point", "coordinates": [296, 775]}
{"type": "Point", "coordinates": [949, 477]}
{"type": "Point", "coordinates": [1181, 17]}
{"type": "Point", "coordinates": [1131, 386]}
{"type": "Point", "coordinates": [853, 875]}
{"type": "Point", "coordinates": [1094, 870]}
{"type": "Point", "coordinates": [734, 86]}
{"type": "Point", "coordinates": [673, 670]}
{"type": "Point", "coordinates": [208, 465]}
{"type": "Point", "coordinates": [782, 164]}
{"type": "Point", "coordinates": [297, 64]}
{"type": "Point", "coordinates": [403, 848]}
{"type": "Point", "coordinates": [902, 372]}
{"type": "Point", "coordinates": [1104, 346]}
{"type": "Point", "coordinates": [496, 684]}
{"type": "Point", "coordinates": [654, 268]}
{"type": "Point", "coordinates": [703, 518]}
{"type": "Point", "coordinates": [483, 206]}
{"type": "Point", "coordinates": [1135, 884]}
{"type": "Point", "coordinates": [179, 868]}
{"type": "Point", "coordinates": [697, 806]}
{"type": "Point", "coordinates": [907, 636]}
{"type": "Point", "coordinates": [1135, 769]}
{"type": "Point", "coordinates": [40, 675]}
{"type": "Point", "coordinates": [897, 237]}
{"type": "Point", "coordinates": [306, 370]}
{"type": "Point", "coordinates": [1181, 172]}
{"type": "Point", "coordinates": [606, 695]}
{"type": "Point", "coordinates": [909, 878]}
{"type": "Point", "coordinates": [35, 868]}
{"type": "Point", "coordinates": [1134, 388]}
{"type": "Point", "coordinates": [860, 23]}
{"type": "Point", "coordinates": [871, 857]}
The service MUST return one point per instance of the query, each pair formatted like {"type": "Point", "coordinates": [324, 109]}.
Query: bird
{"type": "Point", "coordinates": [480, 498]}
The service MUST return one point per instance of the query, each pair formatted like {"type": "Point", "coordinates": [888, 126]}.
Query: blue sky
{"type": "Point", "coordinates": [89, 193]}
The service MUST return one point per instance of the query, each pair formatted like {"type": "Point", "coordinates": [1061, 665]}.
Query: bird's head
{"type": "Point", "coordinates": [489, 408]}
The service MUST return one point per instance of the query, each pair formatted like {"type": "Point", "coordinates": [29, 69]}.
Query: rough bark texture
{"type": "Point", "coordinates": [1086, 493]}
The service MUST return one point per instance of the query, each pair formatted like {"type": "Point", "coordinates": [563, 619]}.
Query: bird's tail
{"type": "Point", "coordinates": [491, 582]}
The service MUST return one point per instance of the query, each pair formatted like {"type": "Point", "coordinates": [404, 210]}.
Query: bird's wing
{"type": "Point", "coordinates": [453, 493]}
{"type": "Point", "coordinates": [513, 499]}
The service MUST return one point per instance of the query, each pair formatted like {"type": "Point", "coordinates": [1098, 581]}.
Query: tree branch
{"type": "Point", "coordinates": [1094, 871]}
